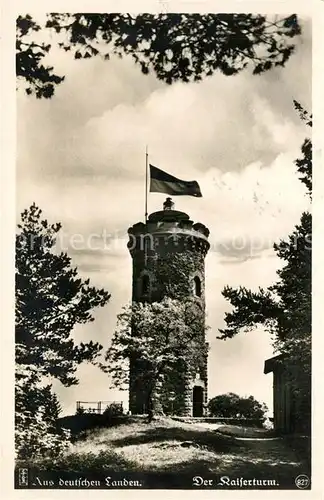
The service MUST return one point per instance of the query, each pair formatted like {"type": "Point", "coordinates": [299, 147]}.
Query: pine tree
{"type": "Point", "coordinates": [50, 300]}
{"type": "Point", "coordinates": [284, 308]}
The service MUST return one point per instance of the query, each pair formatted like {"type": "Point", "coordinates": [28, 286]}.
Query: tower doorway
{"type": "Point", "coordinates": [197, 401]}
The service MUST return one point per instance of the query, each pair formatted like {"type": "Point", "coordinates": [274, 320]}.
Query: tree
{"type": "Point", "coordinates": [177, 47]}
{"type": "Point", "coordinates": [304, 164]}
{"type": "Point", "coordinates": [284, 308]}
{"type": "Point", "coordinates": [152, 342]}
{"type": "Point", "coordinates": [50, 300]}
{"type": "Point", "coordinates": [233, 406]}
{"type": "Point", "coordinates": [36, 412]}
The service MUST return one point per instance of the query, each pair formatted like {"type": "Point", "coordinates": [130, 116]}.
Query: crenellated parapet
{"type": "Point", "coordinates": [173, 231]}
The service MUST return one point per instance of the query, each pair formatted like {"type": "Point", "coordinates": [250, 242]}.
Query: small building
{"type": "Point", "coordinates": [291, 405]}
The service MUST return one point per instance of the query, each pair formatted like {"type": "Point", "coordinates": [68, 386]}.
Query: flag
{"type": "Point", "coordinates": [161, 182]}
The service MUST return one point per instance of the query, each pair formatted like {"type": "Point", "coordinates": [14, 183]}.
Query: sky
{"type": "Point", "coordinates": [81, 159]}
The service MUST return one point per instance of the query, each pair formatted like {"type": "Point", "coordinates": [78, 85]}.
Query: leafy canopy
{"type": "Point", "coordinates": [36, 412]}
{"type": "Point", "coordinates": [50, 300]}
{"type": "Point", "coordinates": [152, 340]}
{"type": "Point", "coordinates": [176, 47]}
{"type": "Point", "coordinates": [284, 308]}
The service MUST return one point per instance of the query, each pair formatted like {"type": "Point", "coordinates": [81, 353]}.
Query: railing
{"type": "Point", "coordinates": [96, 406]}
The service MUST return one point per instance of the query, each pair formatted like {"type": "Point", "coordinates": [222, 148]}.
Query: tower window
{"type": "Point", "coordinates": [145, 284]}
{"type": "Point", "coordinates": [197, 286]}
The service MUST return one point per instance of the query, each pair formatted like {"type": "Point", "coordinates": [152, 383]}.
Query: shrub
{"type": "Point", "coordinates": [234, 406]}
{"type": "Point", "coordinates": [113, 410]}
{"type": "Point", "coordinates": [35, 440]}
{"type": "Point", "coordinates": [80, 411]}
{"type": "Point", "coordinates": [36, 411]}
{"type": "Point", "coordinates": [83, 462]}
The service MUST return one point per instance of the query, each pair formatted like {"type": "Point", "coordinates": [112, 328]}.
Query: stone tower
{"type": "Point", "coordinates": [159, 250]}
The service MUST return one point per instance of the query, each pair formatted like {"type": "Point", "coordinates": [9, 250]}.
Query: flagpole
{"type": "Point", "coordinates": [146, 182]}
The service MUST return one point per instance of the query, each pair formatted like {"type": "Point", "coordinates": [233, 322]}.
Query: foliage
{"type": "Point", "coordinates": [284, 308]}
{"type": "Point", "coordinates": [304, 164]}
{"type": "Point", "coordinates": [40, 79]}
{"type": "Point", "coordinates": [82, 462]}
{"type": "Point", "coordinates": [37, 409]}
{"type": "Point", "coordinates": [177, 47]}
{"type": "Point", "coordinates": [152, 340]}
{"type": "Point", "coordinates": [232, 405]}
{"type": "Point", "coordinates": [80, 411]}
{"type": "Point", "coordinates": [172, 270]}
{"type": "Point", "coordinates": [50, 301]}
{"type": "Point", "coordinates": [179, 450]}
{"type": "Point", "coordinates": [113, 410]}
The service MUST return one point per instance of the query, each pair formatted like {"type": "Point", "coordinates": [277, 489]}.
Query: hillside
{"type": "Point", "coordinates": [167, 450]}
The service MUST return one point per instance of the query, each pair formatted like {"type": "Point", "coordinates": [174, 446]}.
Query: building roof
{"type": "Point", "coordinates": [271, 363]}
{"type": "Point", "coordinates": [168, 216]}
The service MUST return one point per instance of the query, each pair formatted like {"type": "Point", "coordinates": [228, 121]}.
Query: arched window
{"type": "Point", "coordinates": [197, 286]}
{"type": "Point", "coordinates": [145, 284]}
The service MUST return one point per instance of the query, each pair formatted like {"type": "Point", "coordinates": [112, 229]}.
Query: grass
{"type": "Point", "coordinates": [158, 446]}
{"type": "Point", "coordinates": [165, 445]}
{"type": "Point", "coordinates": [181, 449]}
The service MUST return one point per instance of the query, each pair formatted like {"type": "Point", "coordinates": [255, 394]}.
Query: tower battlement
{"type": "Point", "coordinates": [168, 227]}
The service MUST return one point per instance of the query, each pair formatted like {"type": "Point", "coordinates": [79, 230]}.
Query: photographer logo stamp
{"type": "Point", "coordinates": [23, 477]}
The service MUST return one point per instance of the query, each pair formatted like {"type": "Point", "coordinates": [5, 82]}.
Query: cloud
{"type": "Point", "coordinates": [81, 158]}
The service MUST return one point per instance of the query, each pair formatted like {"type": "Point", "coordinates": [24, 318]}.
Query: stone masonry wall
{"type": "Point", "coordinates": [167, 265]}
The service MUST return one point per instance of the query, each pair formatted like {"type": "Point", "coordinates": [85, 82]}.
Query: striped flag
{"type": "Point", "coordinates": [162, 182]}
